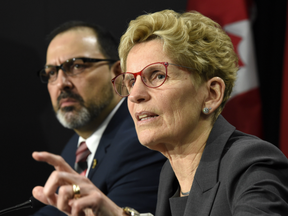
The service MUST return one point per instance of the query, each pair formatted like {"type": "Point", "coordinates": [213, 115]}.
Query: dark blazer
{"type": "Point", "coordinates": [238, 174]}
{"type": "Point", "coordinates": [126, 171]}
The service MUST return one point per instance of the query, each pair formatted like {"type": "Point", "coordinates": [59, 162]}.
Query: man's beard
{"type": "Point", "coordinates": [71, 118]}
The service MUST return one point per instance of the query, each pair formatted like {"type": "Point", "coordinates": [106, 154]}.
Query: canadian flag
{"type": "Point", "coordinates": [284, 107]}
{"type": "Point", "coordinates": [243, 110]}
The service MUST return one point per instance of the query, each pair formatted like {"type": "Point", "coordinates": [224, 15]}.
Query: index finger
{"type": "Point", "coordinates": [55, 160]}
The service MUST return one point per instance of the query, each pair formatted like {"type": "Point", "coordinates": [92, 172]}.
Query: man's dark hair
{"type": "Point", "coordinates": [108, 44]}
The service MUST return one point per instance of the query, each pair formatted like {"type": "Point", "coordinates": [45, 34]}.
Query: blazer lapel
{"type": "Point", "coordinates": [69, 151]}
{"type": "Point", "coordinates": [99, 156]}
{"type": "Point", "coordinates": [108, 137]}
{"type": "Point", "coordinates": [205, 184]}
{"type": "Point", "coordinates": [168, 183]}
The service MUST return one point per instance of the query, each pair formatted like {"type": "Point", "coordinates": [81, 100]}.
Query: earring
{"type": "Point", "coordinates": [206, 110]}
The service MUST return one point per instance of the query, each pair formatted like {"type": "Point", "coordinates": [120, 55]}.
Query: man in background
{"type": "Point", "coordinates": [82, 59]}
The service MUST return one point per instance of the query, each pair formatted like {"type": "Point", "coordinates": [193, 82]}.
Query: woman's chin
{"type": "Point", "coordinates": [146, 144]}
{"type": "Point", "coordinates": [156, 146]}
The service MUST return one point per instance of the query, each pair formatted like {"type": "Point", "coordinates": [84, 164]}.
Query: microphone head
{"type": "Point", "coordinates": [31, 203]}
{"type": "Point", "coordinates": [36, 204]}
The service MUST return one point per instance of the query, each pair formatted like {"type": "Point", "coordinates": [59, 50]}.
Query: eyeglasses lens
{"type": "Point", "coordinates": [152, 76]}
{"type": "Point", "coordinates": [48, 74]}
{"type": "Point", "coordinates": [70, 67]}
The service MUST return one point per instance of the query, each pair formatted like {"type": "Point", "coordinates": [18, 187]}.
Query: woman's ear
{"type": "Point", "coordinates": [216, 88]}
{"type": "Point", "coordinates": [116, 69]}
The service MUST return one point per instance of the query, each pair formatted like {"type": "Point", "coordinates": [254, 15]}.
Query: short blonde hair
{"type": "Point", "coordinates": [189, 39]}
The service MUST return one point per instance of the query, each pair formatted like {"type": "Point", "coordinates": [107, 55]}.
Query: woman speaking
{"type": "Point", "coordinates": [180, 70]}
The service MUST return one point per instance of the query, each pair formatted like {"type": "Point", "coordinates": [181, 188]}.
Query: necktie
{"type": "Point", "coordinates": [81, 159]}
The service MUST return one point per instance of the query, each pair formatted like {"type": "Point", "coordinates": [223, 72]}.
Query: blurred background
{"type": "Point", "coordinates": [28, 121]}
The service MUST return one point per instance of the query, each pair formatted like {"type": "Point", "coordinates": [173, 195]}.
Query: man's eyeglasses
{"type": "Point", "coordinates": [70, 67]}
{"type": "Point", "coordinates": [153, 76]}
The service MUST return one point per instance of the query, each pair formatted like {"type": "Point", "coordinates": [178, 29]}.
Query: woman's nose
{"type": "Point", "coordinates": [139, 92]}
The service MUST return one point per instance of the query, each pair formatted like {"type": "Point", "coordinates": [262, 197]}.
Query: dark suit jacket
{"type": "Point", "coordinates": [238, 174]}
{"type": "Point", "coordinates": [126, 171]}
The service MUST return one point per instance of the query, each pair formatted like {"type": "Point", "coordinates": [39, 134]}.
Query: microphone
{"type": "Point", "coordinates": [31, 203]}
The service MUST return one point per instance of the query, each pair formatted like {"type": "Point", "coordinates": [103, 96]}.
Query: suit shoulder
{"type": "Point", "coordinates": [240, 144]}
{"type": "Point", "coordinates": [243, 151]}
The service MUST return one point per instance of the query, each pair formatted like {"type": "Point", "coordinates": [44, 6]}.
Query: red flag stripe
{"type": "Point", "coordinates": [284, 107]}
{"type": "Point", "coordinates": [242, 108]}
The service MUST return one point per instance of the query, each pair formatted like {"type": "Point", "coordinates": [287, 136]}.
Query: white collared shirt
{"type": "Point", "coordinates": [92, 142]}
